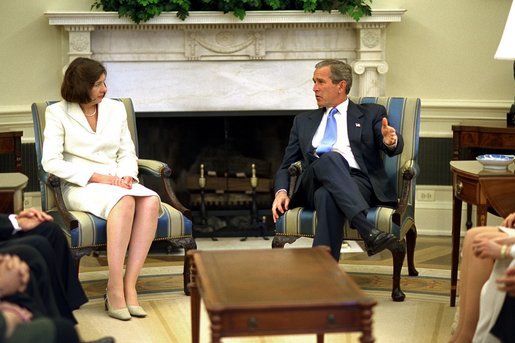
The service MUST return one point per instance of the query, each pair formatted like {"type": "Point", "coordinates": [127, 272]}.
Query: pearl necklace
{"type": "Point", "coordinates": [92, 114]}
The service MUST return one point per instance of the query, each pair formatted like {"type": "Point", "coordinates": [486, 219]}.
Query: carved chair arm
{"type": "Point", "coordinates": [294, 170]}
{"type": "Point", "coordinates": [409, 171]}
{"type": "Point", "coordinates": [55, 183]}
{"type": "Point", "coordinates": [161, 170]}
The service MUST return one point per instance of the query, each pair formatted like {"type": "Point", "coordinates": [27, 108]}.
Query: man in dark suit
{"type": "Point", "coordinates": [344, 176]}
{"type": "Point", "coordinates": [35, 228]}
{"type": "Point", "coordinates": [30, 244]}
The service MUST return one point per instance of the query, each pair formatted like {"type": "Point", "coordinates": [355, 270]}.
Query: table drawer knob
{"type": "Point", "coordinates": [252, 323]}
{"type": "Point", "coordinates": [459, 187]}
{"type": "Point", "coordinates": [331, 319]}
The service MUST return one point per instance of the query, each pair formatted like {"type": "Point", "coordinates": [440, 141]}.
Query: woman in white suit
{"type": "Point", "coordinates": [87, 143]}
{"type": "Point", "coordinates": [488, 253]}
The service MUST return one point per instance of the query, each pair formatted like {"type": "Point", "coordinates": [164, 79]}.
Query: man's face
{"type": "Point", "coordinates": [327, 93]}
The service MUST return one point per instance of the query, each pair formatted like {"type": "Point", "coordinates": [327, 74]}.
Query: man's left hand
{"type": "Point", "coordinates": [389, 134]}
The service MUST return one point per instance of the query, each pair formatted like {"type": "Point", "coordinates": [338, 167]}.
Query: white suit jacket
{"type": "Point", "coordinates": [73, 151]}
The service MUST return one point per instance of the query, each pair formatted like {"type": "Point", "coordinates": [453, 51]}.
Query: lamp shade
{"type": "Point", "coordinates": [506, 48]}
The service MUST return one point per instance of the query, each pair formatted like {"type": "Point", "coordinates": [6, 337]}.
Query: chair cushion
{"type": "Point", "coordinates": [302, 222]}
{"type": "Point", "coordinates": [171, 224]}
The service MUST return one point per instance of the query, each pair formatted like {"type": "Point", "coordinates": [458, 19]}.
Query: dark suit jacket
{"type": "Point", "coordinates": [366, 140]}
{"type": "Point", "coordinates": [6, 227]}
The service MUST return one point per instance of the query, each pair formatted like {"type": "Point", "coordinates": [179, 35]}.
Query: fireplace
{"type": "Point", "coordinates": [230, 150]}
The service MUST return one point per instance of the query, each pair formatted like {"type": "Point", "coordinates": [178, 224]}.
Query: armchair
{"type": "Point", "coordinates": [404, 115]}
{"type": "Point", "coordinates": [87, 233]}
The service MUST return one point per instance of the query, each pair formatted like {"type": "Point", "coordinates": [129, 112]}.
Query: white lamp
{"type": "Point", "coordinates": [506, 51]}
{"type": "Point", "coordinates": [506, 48]}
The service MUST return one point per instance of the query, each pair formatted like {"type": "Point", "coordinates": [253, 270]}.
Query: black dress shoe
{"type": "Point", "coordinates": [106, 339]}
{"type": "Point", "coordinates": [377, 241]}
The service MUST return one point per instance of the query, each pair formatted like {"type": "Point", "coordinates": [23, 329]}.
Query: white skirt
{"type": "Point", "coordinates": [492, 299]}
{"type": "Point", "coordinates": [100, 198]}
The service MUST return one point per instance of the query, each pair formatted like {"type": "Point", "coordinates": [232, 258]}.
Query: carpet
{"type": "Point", "coordinates": [425, 315]}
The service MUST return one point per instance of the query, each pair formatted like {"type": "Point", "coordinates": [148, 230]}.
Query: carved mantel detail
{"type": "Point", "coordinates": [262, 44]}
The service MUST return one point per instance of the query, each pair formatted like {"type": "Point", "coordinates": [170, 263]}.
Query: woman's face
{"type": "Point", "coordinates": [99, 90]}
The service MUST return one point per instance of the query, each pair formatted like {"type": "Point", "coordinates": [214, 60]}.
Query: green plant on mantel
{"type": "Point", "coordinates": [143, 10]}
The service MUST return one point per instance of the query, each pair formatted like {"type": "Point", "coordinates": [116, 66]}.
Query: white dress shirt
{"type": "Point", "coordinates": [342, 144]}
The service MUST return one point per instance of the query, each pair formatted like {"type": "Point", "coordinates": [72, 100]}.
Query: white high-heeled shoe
{"type": "Point", "coordinates": [121, 314]}
{"type": "Point", "coordinates": [136, 311]}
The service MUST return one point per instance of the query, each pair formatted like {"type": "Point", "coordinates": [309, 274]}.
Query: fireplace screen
{"type": "Point", "coordinates": [223, 165]}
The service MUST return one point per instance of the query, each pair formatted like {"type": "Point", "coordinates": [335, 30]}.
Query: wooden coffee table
{"type": "Point", "coordinates": [276, 292]}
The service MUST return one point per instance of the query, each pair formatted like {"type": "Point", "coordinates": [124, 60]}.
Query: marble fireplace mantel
{"type": "Point", "coordinates": [215, 62]}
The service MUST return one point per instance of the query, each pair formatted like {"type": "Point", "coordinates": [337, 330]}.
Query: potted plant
{"type": "Point", "coordinates": [143, 10]}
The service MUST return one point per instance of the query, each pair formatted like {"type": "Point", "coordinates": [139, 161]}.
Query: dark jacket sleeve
{"type": "Point", "coordinates": [6, 227]}
{"type": "Point", "coordinates": [3, 327]}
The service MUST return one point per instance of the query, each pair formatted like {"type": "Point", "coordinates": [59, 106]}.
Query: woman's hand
{"type": "Point", "coordinates": [121, 182]}
{"type": "Point", "coordinates": [486, 248]}
{"type": "Point", "coordinates": [506, 283]}
{"type": "Point", "coordinates": [509, 221]}
{"type": "Point", "coordinates": [128, 180]}
{"type": "Point", "coordinates": [124, 182]}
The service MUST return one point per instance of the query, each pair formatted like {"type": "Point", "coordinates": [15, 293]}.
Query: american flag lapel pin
{"type": "Point", "coordinates": [358, 125]}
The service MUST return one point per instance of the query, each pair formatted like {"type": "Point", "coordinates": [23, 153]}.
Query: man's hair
{"type": "Point", "coordinates": [340, 71]}
{"type": "Point", "coordinates": [79, 78]}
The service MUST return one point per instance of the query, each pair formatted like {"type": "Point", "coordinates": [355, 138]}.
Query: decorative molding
{"type": "Point", "coordinates": [224, 43]}
{"type": "Point", "coordinates": [211, 18]}
{"type": "Point", "coordinates": [265, 43]}
{"type": "Point", "coordinates": [17, 118]}
{"type": "Point", "coordinates": [14, 109]}
{"type": "Point", "coordinates": [451, 104]}
{"type": "Point", "coordinates": [437, 116]}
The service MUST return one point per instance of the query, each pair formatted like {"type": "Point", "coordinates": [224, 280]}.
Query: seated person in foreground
{"type": "Point", "coordinates": [23, 318]}
{"type": "Point", "coordinates": [340, 147]}
{"type": "Point", "coordinates": [487, 253]}
{"type": "Point", "coordinates": [36, 228]}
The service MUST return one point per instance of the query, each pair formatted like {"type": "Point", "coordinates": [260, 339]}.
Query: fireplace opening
{"type": "Point", "coordinates": [223, 164]}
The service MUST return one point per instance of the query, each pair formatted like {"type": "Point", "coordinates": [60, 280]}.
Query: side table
{"type": "Point", "coordinates": [467, 139]}
{"type": "Point", "coordinates": [10, 142]}
{"type": "Point", "coordinates": [481, 187]}
{"type": "Point", "coordinates": [11, 192]}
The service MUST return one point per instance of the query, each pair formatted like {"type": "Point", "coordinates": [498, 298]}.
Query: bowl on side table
{"type": "Point", "coordinates": [495, 161]}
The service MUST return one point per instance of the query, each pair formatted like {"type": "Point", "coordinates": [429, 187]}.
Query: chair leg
{"type": "Point", "coordinates": [187, 244]}
{"type": "Point", "coordinates": [280, 241]}
{"type": "Point", "coordinates": [411, 242]}
{"type": "Point", "coordinates": [398, 251]}
{"type": "Point", "coordinates": [78, 253]}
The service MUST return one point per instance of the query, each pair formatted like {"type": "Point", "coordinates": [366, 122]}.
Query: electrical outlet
{"type": "Point", "coordinates": [427, 195]}
{"type": "Point", "coordinates": [27, 202]}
